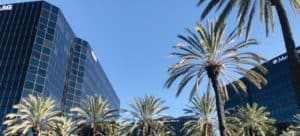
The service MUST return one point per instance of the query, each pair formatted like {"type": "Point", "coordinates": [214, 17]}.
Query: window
{"type": "Point", "coordinates": [42, 72]}
{"type": "Point", "coordinates": [31, 77]}
{"type": "Point", "coordinates": [46, 51]}
{"type": "Point", "coordinates": [40, 33]}
{"type": "Point", "coordinates": [43, 65]}
{"type": "Point", "coordinates": [37, 47]}
{"type": "Point", "coordinates": [39, 40]}
{"type": "Point", "coordinates": [45, 13]}
{"type": "Point", "coordinates": [33, 62]}
{"type": "Point", "coordinates": [40, 80]}
{"type": "Point", "coordinates": [28, 85]}
{"type": "Point", "coordinates": [49, 37]}
{"type": "Point", "coordinates": [43, 20]}
{"type": "Point", "coordinates": [38, 88]}
{"type": "Point", "coordinates": [46, 5]}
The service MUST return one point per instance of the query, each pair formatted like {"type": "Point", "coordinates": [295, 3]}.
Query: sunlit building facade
{"type": "Point", "coordinates": [279, 96]}
{"type": "Point", "coordinates": [41, 55]}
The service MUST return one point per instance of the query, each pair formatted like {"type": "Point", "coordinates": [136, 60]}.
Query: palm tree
{"type": "Point", "coordinates": [62, 127]}
{"type": "Point", "coordinates": [290, 132]}
{"type": "Point", "coordinates": [293, 130]}
{"type": "Point", "coordinates": [202, 108]}
{"type": "Point", "coordinates": [218, 59]}
{"type": "Point", "coordinates": [146, 117]}
{"type": "Point", "coordinates": [246, 11]}
{"type": "Point", "coordinates": [94, 111]}
{"type": "Point", "coordinates": [253, 120]}
{"type": "Point", "coordinates": [110, 128]}
{"type": "Point", "coordinates": [34, 113]}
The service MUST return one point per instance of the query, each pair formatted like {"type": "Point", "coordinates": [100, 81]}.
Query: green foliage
{"type": "Point", "coordinates": [94, 111]}
{"type": "Point", "coordinates": [62, 127]}
{"type": "Point", "coordinates": [293, 130]}
{"type": "Point", "coordinates": [209, 47]}
{"type": "Point", "coordinates": [110, 128]}
{"type": "Point", "coordinates": [34, 113]}
{"type": "Point", "coordinates": [246, 11]}
{"type": "Point", "coordinates": [203, 109]}
{"type": "Point", "coordinates": [147, 119]}
{"type": "Point", "coordinates": [251, 119]}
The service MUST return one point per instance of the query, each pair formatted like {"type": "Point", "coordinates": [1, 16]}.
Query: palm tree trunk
{"type": "Point", "coordinates": [210, 129]}
{"type": "Point", "coordinates": [290, 46]}
{"type": "Point", "coordinates": [144, 131]}
{"type": "Point", "coordinates": [36, 132]}
{"type": "Point", "coordinates": [94, 128]}
{"type": "Point", "coordinates": [251, 133]}
{"type": "Point", "coordinates": [206, 130]}
{"type": "Point", "coordinates": [219, 105]}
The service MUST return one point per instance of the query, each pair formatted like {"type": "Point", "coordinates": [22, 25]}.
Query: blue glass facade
{"type": "Point", "coordinates": [85, 77]}
{"type": "Point", "coordinates": [177, 124]}
{"type": "Point", "coordinates": [278, 95]}
{"type": "Point", "coordinates": [50, 53]}
{"type": "Point", "coordinates": [41, 55]}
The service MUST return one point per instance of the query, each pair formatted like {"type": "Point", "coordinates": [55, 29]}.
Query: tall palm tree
{"type": "Point", "coordinates": [94, 111]}
{"type": "Point", "coordinates": [208, 54]}
{"type": "Point", "coordinates": [62, 127]}
{"type": "Point", "coordinates": [245, 13]}
{"type": "Point", "coordinates": [34, 113]}
{"type": "Point", "coordinates": [253, 120]}
{"type": "Point", "coordinates": [146, 117]}
{"type": "Point", "coordinates": [203, 109]}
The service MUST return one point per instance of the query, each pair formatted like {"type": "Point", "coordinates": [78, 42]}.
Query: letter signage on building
{"type": "Point", "coordinates": [282, 58]}
{"type": "Point", "coordinates": [6, 7]}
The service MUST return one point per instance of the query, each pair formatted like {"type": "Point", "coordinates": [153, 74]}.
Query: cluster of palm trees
{"type": "Point", "coordinates": [211, 55]}
{"type": "Point", "coordinates": [38, 116]}
{"type": "Point", "coordinates": [208, 54]}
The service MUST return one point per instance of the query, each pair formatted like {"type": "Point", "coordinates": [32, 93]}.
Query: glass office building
{"type": "Point", "coordinates": [177, 124]}
{"type": "Point", "coordinates": [278, 95]}
{"type": "Point", "coordinates": [85, 76]}
{"type": "Point", "coordinates": [41, 55]}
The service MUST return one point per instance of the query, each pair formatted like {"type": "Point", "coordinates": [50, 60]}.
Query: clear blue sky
{"type": "Point", "coordinates": [132, 39]}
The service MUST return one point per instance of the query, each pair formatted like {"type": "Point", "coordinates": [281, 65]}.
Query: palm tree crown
{"type": "Point", "coordinates": [203, 109]}
{"type": "Point", "coordinates": [34, 113]}
{"type": "Point", "coordinates": [253, 120]}
{"type": "Point", "coordinates": [293, 130]}
{"type": "Point", "coordinates": [208, 54]}
{"type": "Point", "coordinates": [147, 115]}
{"type": "Point", "coordinates": [62, 127]}
{"type": "Point", "coordinates": [94, 111]}
{"type": "Point", "coordinates": [246, 11]}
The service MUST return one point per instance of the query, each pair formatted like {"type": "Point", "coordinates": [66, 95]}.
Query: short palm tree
{"type": "Point", "coordinates": [253, 120]}
{"type": "Point", "coordinates": [110, 128]}
{"type": "Point", "coordinates": [293, 130]}
{"type": "Point", "coordinates": [94, 111]}
{"type": "Point", "coordinates": [208, 54]}
{"type": "Point", "coordinates": [290, 132]}
{"type": "Point", "coordinates": [146, 117]}
{"type": "Point", "coordinates": [62, 127]}
{"type": "Point", "coordinates": [246, 10]}
{"type": "Point", "coordinates": [202, 109]}
{"type": "Point", "coordinates": [34, 113]}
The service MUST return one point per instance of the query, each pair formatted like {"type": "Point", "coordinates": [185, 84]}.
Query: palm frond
{"type": "Point", "coordinates": [34, 112]}
{"type": "Point", "coordinates": [147, 117]}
